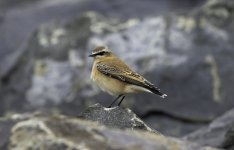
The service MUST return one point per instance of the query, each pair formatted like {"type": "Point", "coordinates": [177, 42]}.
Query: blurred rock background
{"type": "Point", "coordinates": [185, 47]}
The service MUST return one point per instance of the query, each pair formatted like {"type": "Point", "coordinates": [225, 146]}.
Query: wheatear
{"type": "Point", "coordinates": [115, 77]}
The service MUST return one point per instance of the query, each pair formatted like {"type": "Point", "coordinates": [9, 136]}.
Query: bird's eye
{"type": "Point", "coordinates": [102, 53]}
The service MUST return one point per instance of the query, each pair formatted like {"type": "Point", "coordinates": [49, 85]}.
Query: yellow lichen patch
{"type": "Point", "coordinates": [35, 133]}
{"type": "Point", "coordinates": [216, 83]}
{"type": "Point", "coordinates": [40, 68]}
{"type": "Point", "coordinates": [114, 24]}
{"type": "Point", "coordinates": [174, 145]}
{"type": "Point", "coordinates": [56, 34]}
{"type": "Point", "coordinates": [208, 148]}
{"type": "Point", "coordinates": [219, 10]}
{"type": "Point", "coordinates": [46, 39]}
{"type": "Point", "coordinates": [42, 37]}
{"type": "Point", "coordinates": [152, 136]}
{"type": "Point", "coordinates": [30, 129]}
{"type": "Point", "coordinates": [202, 22]}
{"type": "Point", "coordinates": [210, 3]}
{"type": "Point", "coordinates": [186, 23]}
{"type": "Point", "coordinates": [33, 123]}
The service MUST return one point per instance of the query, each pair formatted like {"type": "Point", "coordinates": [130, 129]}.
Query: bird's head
{"type": "Point", "coordinates": [101, 52]}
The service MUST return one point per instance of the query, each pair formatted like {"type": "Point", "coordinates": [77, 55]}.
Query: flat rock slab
{"type": "Point", "coordinates": [57, 132]}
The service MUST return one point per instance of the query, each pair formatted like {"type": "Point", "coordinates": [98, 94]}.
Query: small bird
{"type": "Point", "coordinates": [116, 78]}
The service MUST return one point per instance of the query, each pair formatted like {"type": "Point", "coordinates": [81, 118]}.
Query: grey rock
{"type": "Point", "coordinates": [6, 4]}
{"type": "Point", "coordinates": [116, 117]}
{"type": "Point", "coordinates": [1, 17]}
{"type": "Point", "coordinates": [51, 83]}
{"type": "Point", "coordinates": [5, 131]}
{"type": "Point", "coordinates": [214, 133]}
{"type": "Point", "coordinates": [22, 17]}
{"type": "Point", "coordinates": [188, 55]}
{"type": "Point", "coordinates": [228, 142]}
{"type": "Point", "coordinates": [47, 72]}
{"type": "Point", "coordinates": [44, 131]}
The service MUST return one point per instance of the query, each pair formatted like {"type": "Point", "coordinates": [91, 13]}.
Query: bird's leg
{"type": "Point", "coordinates": [115, 101]}
{"type": "Point", "coordinates": [121, 100]}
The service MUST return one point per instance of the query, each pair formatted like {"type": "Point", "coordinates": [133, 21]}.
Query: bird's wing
{"type": "Point", "coordinates": [120, 71]}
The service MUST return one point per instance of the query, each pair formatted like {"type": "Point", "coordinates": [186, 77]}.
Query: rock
{"type": "Point", "coordinates": [1, 17]}
{"type": "Point", "coordinates": [22, 17]}
{"type": "Point", "coordinates": [47, 67]}
{"type": "Point", "coordinates": [214, 133]}
{"type": "Point", "coordinates": [117, 117]}
{"type": "Point", "coordinates": [228, 142]}
{"type": "Point", "coordinates": [188, 55]}
{"type": "Point", "coordinates": [5, 131]}
{"type": "Point", "coordinates": [44, 131]}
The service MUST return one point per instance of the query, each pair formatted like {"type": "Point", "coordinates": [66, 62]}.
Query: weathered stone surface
{"type": "Point", "coordinates": [117, 117]}
{"type": "Point", "coordinates": [188, 55]}
{"type": "Point", "coordinates": [5, 130]}
{"type": "Point", "coordinates": [40, 131]}
{"type": "Point", "coordinates": [47, 73]}
{"type": "Point", "coordinates": [22, 17]}
{"type": "Point", "coordinates": [228, 142]}
{"type": "Point", "coordinates": [214, 133]}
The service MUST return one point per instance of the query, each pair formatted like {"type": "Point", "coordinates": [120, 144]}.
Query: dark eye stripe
{"type": "Point", "coordinates": [101, 53]}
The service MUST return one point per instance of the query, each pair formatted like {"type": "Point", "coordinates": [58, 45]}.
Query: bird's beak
{"type": "Point", "coordinates": [91, 55]}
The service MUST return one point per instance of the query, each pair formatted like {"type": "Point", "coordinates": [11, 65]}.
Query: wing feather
{"type": "Point", "coordinates": [122, 72]}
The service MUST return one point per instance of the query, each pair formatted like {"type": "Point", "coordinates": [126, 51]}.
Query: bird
{"type": "Point", "coordinates": [115, 77]}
